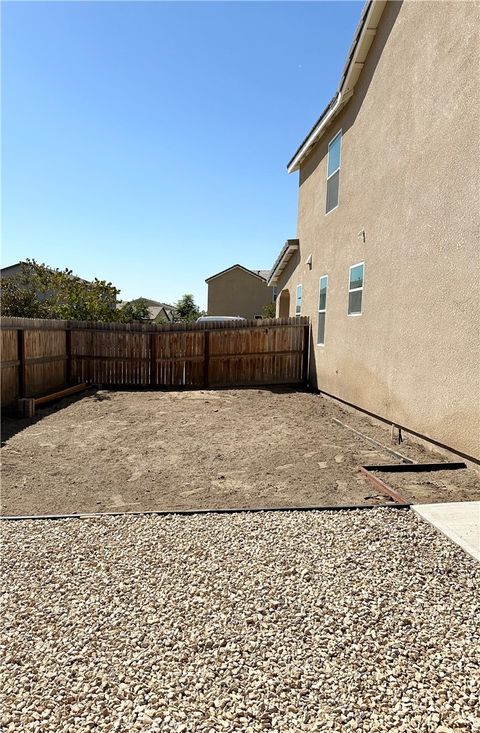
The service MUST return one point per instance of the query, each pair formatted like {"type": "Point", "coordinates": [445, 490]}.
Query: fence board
{"type": "Point", "coordinates": [45, 361]}
{"type": "Point", "coordinates": [42, 356]}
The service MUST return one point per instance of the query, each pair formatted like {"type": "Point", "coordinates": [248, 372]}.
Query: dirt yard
{"type": "Point", "coordinates": [132, 451]}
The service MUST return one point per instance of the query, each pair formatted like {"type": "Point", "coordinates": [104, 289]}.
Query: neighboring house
{"type": "Point", "coordinates": [386, 261]}
{"type": "Point", "coordinates": [238, 291]}
{"type": "Point", "coordinates": [12, 270]}
{"type": "Point", "coordinates": [16, 269]}
{"type": "Point", "coordinates": [159, 312]}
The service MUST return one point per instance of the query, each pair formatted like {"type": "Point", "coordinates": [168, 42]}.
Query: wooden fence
{"type": "Point", "coordinates": [41, 356]}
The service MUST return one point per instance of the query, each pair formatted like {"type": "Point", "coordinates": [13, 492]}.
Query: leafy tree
{"type": "Point", "coordinates": [269, 311]}
{"type": "Point", "coordinates": [186, 309]}
{"type": "Point", "coordinates": [135, 310]}
{"type": "Point", "coordinates": [38, 291]}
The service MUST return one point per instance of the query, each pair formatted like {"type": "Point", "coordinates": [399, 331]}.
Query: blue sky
{"type": "Point", "coordinates": [146, 143]}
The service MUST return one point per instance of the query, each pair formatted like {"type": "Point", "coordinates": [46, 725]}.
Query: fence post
{"type": "Point", "coordinates": [206, 360]}
{"type": "Point", "coordinates": [153, 360]}
{"type": "Point", "coordinates": [306, 352]}
{"type": "Point", "coordinates": [22, 369]}
{"type": "Point", "coordinates": [68, 352]}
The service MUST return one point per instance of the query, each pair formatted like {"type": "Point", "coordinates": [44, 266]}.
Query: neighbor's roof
{"type": "Point", "coordinates": [27, 264]}
{"type": "Point", "coordinates": [262, 274]}
{"type": "Point", "coordinates": [15, 264]}
{"type": "Point", "coordinates": [151, 304]}
{"type": "Point", "coordinates": [362, 40]}
{"type": "Point", "coordinates": [155, 310]}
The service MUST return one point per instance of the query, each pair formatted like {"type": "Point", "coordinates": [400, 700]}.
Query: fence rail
{"type": "Point", "coordinates": [40, 356]}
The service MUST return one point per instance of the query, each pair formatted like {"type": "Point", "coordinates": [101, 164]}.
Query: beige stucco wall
{"type": "Point", "coordinates": [410, 178]}
{"type": "Point", "coordinates": [237, 293]}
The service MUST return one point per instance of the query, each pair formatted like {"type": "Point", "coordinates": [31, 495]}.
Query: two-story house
{"type": "Point", "coordinates": [386, 259]}
{"type": "Point", "coordinates": [238, 291]}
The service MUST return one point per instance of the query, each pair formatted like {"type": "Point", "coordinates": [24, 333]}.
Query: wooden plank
{"type": "Point", "coordinates": [60, 393]}
{"type": "Point", "coordinates": [9, 386]}
{"type": "Point", "coordinates": [250, 354]}
{"type": "Point", "coordinates": [9, 366]}
{"type": "Point", "coordinates": [384, 487]}
{"type": "Point", "coordinates": [153, 360]}
{"type": "Point", "coordinates": [206, 359]}
{"type": "Point", "coordinates": [68, 354]}
{"type": "Point", "coordinates": [306, 345]}
{"type": "Point", "coordinates": [32, 324]}
{"type": "Point", "coordinates": [45, 359]}
{"type": "Point", "coordinates": [22, 369]}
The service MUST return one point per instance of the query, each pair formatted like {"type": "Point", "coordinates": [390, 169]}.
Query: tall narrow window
{"type": "Point", "coordinates": [333, 172]}
{"type": "Point", "coordinates": [298, 303]}
{"type": "Point", "coordinates": [355, 289]}
{"type": "Point", "coordinates": [322, 310]}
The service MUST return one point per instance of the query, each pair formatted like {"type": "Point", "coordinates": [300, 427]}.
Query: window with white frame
{"type": "Point", "coordinates": [333, 172]}
{"type": "Point", "coordinates": [298, 302]}
{"type": "Point", "coordinates": [355, 289]}
{"type": "Point", "coordinates": [274, 294]}
{"type": "Point", "coordinates": [322, 310]}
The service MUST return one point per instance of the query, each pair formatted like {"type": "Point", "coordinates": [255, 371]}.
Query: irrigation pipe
{"type": "Point", "coordinates": [375, 442]}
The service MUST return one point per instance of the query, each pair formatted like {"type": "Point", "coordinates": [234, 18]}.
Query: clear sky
{"type": "Point", "coordinates": [146, 143]}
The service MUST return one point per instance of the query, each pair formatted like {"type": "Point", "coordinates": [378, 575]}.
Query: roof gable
{"type": "Point", "coordinates": [261, 274]}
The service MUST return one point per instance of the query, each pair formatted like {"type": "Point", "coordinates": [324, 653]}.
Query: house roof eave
{"type": "Point", "coordinates": [362, 41]}
{"type": "Point", "coordinates": [286, 253]}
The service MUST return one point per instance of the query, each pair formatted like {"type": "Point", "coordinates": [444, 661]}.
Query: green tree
{"type": "Point", "coordinates": [269, 311]}
{"type": "Point", "coordinates": [135, 310]}
{"type": "Point", "coordinates": [38, 291]}
{"type": "Point", "coordinates": [186, 309]}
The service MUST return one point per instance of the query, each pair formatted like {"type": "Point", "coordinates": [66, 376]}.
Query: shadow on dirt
{"type": "Point", "coordinates": [12, 424]}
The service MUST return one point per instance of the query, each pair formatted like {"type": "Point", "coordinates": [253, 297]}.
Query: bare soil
{"type": "Point", "coordinates": [418, 488]}
{"type": "Point", "coordinates": [134, 451]}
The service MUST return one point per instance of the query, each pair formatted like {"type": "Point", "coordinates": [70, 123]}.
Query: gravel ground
{"type": "Point", "coordinates": [365, 620]}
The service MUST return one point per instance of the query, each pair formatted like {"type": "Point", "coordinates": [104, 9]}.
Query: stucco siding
{"type": "Point", "coordinates": [237, 293]}
{"type": "Point", "coordinates": [410, 179]}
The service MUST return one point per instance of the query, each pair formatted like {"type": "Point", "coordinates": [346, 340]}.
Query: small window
{"type": "Point", "coordinates": [322, 309]}
{"type": "Point", "coordinates": [355, 289]}
{"type": "Point", "coordinates": [298, 303]}
{"type": "Point", "coordinates": [333, 172]}
{"type": "Point", "coordinates": [274, 294]}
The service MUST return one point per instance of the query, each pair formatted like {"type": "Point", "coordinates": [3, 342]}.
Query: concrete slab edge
{"type": "Point", "coordinates": [450, 534]}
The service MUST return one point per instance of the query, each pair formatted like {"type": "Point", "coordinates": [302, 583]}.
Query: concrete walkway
{"type": "Point", "coordinates": [459, 521]}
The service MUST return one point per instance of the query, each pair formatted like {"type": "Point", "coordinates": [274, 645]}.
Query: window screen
{"type": "Point", "coordinates": [322, 310]}
{"type": "Point", "coordinates": [298, 303]}
{"type": "Point", "coordinates": [355, 288]}
{"type": "Point", "coordinates": [332, 191]}
{"type": "Point", "coordinates": [333, 172]}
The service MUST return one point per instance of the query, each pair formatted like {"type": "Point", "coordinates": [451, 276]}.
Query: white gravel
{"type": "Point", "coordinates": [312, 621]}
